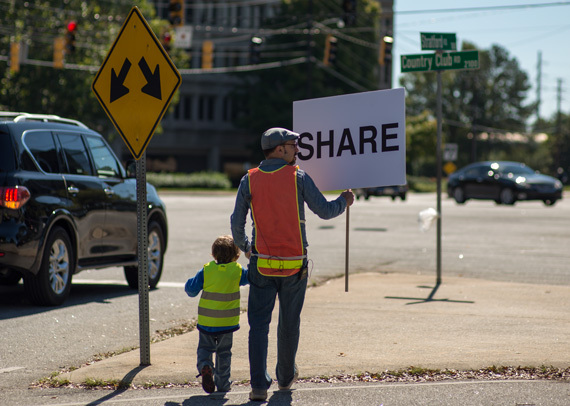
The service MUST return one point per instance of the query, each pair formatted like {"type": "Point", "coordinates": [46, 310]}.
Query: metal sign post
{"type": "Point", "coordinates": [142, 253]}
{"type": "Point", "coordinates": [438, 153]}
{"type": "Point", "coordinates": [439, 61]}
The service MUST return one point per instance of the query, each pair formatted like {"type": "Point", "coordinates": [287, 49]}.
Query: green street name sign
{"type": "Point", "coordinates": [438, 41]}
{"type": "Point", "coordinates": [440, 61]}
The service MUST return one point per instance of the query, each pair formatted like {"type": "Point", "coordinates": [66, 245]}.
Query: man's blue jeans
{"type": "Point", "coordinates": [221, 344]}
{"type": "Point", "coordinates": [262, 293]}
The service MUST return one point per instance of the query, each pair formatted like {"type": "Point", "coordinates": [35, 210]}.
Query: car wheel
{"type": "Point", "coordinates": [549, 202]}
{"type": "Point", "coordinates": [507, 196]}
{"type": "Point", "coordinates": [155, 259]}
{"type": "Point", "coordinates": [51, 286]}
{"type": "Point", "coordinates": [403, 196]}
{"type": "Point", "coordinates": [459, 195]}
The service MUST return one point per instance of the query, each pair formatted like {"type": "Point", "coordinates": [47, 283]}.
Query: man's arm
{"type": "Point", "coordinates": [239, 216]}
{"type": "Point", "coordinates": [319, 204]}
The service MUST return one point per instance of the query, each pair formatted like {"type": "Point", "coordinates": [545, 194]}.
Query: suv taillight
{"type": "Point", "coordinates": [14, 197]}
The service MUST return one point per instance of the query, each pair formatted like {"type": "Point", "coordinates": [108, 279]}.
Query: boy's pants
{"type": "Point", "coordinates": [221, 345]}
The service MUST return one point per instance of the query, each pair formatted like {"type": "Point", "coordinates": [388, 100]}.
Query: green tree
{"type": "Point", "coordinates": [489, 99]}
{"type": "Point", "coordinates": [38, 87]}
{"type": "Point", "coordinates": [555, 151]}
{"type": "Point", "coordinates": [421, 136]}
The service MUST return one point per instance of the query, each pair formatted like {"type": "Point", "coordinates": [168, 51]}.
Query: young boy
{"type": "Point", "coordinates": [218, 312]}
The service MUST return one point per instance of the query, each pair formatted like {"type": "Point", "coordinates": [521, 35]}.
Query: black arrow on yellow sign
{"type": "Point", "coordinates": [118, 89]}
{"type": "Point", "coordinates": [152, 87]}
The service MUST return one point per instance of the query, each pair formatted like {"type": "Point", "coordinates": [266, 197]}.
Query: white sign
{"type": "Point", "coordinates": [450, 152]}
{"type": "Point", "coordinates": [183, 37]}
{"type": "Point", "coordinates": [353, 141]}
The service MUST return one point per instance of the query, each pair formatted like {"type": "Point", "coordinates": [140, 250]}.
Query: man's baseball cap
{"type": "Point", "coordinates": [276, 136]}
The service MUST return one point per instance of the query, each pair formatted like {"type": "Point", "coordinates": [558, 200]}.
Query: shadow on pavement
{"type": "Point", "coordinates": [430, 298]}
{"type": "Point", "coordinates": [14, 304]}
{"type": "Point", "coordinates": [123, 386]}
{"type": "Point", "coordinates": [277, 398]}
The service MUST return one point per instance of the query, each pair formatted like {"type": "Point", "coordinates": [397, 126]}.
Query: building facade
{"type": "Point", "coordinates": [201, 133]}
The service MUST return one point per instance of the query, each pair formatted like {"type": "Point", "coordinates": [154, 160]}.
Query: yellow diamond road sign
{"type": "Point", "coordinates": [136, 82]}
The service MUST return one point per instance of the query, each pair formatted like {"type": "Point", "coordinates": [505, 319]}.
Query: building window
{"type": "Point", "coordinates": [187, 115]}
{"type": "Point", "coordinates": [206, 108]}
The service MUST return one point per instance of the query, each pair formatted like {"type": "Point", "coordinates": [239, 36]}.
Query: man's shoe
{"type": "Point", "coordinates": [290, 383]}
{"type": "Point", "coordinates": [258, 394]}
{"type": "Point", "coordinates": [208, 379]}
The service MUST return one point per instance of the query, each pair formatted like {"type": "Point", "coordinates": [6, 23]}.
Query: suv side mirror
{"type": "Point", "coordinates": [131, 168]}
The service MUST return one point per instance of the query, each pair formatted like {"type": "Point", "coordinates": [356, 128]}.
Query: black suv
{"type": "Point", "coordinates": [66, 205]}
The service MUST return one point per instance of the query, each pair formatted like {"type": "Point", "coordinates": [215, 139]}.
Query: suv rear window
{"type": "Point", "coordinates": [42, 147]}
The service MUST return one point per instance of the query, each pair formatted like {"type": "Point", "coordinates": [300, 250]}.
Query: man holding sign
{"type": "Point", "coordinates": [276, 192]}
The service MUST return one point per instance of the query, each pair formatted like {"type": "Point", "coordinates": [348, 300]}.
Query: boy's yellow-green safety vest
{"type": "Point", "coordinates": [220, 300]}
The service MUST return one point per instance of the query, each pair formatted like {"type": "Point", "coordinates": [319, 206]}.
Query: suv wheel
{"type": "Point", "coordinates": [51, 286]}
{"type": "Point", "coordinates": [155, 259]}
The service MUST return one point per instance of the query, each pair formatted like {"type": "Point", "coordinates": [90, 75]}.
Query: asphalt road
{"type": "Point", "coordinates": [525, 243]}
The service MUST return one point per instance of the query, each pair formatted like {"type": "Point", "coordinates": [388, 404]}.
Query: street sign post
{"type": "Point", "coordinates": [135, 85]}
{"type": "Point", "coordinates": [438, 62]}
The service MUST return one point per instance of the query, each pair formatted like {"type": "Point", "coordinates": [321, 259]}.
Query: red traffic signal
{"type": "Point", "coordinates": [70, 37]}
{"type": "Point", "coordinates": [71, 26]}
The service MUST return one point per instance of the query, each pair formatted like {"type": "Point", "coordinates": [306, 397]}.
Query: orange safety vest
{"type": "Point", "coordinates": [275, 212]}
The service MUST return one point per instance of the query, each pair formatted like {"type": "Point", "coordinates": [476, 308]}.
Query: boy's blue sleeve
{"type": "Point", "coordinates": [195, 285]}
{"type": "Point", "coordinates": [243, 280]}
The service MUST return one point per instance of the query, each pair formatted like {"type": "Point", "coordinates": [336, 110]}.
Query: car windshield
{"type": "Point", "coordinates": [516, 170]}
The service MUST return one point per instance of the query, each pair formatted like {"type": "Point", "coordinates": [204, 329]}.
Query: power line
{"type": "Point", "coordinates": [485, 8]}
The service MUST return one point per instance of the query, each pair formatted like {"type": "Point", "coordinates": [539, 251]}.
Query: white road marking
{"type": "Point", "coordinates": [11, 369]}
{"type": "Point", "coordinates": [123, 283]}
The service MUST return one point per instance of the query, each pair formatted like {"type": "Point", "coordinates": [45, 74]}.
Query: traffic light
{"type": "Point", "coordinates": [15, 57]}
{"type": "Point", "coordinates": [331, 43]}
{"type": "Point", "coordinates": [349, 8]}
{"type": "Point", "coordinates": [385, 56]}
{"type": "Point", "coordinates": [59, 52]}
{"type": "Point", "coordinates": [254, 52]}
{"type": "Point", "coordinates": [207, 55]}
{"type": "Point", "coordinates": [70, 37]}
{"type": "Point", "coordinates": [176, 9]}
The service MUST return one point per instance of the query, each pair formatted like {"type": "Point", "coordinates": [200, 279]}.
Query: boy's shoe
{"type": "Point", "coordinates": [207, 379]}
{"type": "Point", "coordinates": [287, 387]}
{"type": "Point", "coordinates": [258, 394]}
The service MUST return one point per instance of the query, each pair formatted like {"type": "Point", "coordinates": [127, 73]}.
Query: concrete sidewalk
{"type": "Point", "coordinates": [387, 322]}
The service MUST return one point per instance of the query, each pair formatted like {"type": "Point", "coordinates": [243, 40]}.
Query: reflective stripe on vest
{"type": "Point", "coordinates": [220, 300]}
{"type": "Point", "coordinates": [275, 212]}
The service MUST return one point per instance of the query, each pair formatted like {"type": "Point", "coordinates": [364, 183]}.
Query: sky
{"type": "Point", "coordinates": [523, 32]}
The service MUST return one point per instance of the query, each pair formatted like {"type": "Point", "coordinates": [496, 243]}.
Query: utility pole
{"type": "Point", "coordinates": [558, 142]}
{"type": "Point", "coordinates": [538, 83]}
